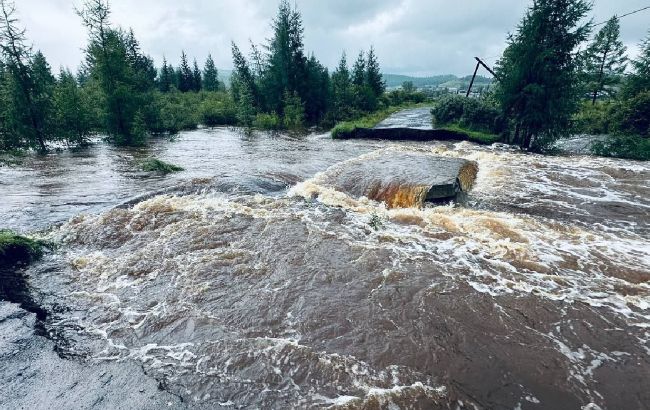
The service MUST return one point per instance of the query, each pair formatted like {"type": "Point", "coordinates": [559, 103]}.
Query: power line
{"type": "Point", "coordinates": [625, 15]}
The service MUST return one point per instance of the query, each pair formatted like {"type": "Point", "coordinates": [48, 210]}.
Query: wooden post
{"type": "Point", "coordinates": [486, 67]}
{"type": "Point", "coordinates": [469, 89]}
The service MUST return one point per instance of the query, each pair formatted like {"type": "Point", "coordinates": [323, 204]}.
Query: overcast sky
{"type": "Point", "coordinates": [417, 37]}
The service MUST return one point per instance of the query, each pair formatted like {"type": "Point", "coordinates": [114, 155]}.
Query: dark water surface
{"type": "Point", "coordinates": [250, 281]}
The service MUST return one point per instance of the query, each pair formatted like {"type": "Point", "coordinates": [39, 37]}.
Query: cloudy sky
{"type": "Point", "coordinates": [417, 37]}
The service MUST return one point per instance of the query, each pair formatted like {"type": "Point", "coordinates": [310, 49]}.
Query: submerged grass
{"type": "Point", "coordinates": [156, 165]}
{"type": "Point", "coordinates": [15, 248]}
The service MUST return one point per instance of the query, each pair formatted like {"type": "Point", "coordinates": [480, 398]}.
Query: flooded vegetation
{"type": "Point", "coordinates": [267, 287]}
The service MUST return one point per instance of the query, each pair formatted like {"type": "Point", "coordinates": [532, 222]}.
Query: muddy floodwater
{"type": "Point", "coordinates": [247, 282]}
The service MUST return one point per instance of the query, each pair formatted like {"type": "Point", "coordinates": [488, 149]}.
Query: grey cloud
{"type": "Point", "coordinates": [410, 36]}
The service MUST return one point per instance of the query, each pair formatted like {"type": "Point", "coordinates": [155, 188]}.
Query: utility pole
{"type": "Point", "coordinates": [479, 63]}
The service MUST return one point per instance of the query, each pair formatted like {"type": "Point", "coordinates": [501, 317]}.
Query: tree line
{"type": "Point", "coordinates": [119, 92]}
{"type": "Point", "coordinates": [285, 87]}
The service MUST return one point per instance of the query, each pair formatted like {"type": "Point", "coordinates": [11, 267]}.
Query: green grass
{"type": "Point", "coordinates": [474, 136]}
{"type": "Point", "coordinates": [18, 249]}
{"type": "Point", "coordinates": [370, 120]}
{"type": "Point", "coordinates": [156, 165]}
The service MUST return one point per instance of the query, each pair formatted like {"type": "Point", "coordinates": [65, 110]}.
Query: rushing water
{"type": "Point", "coordinates": [248, 282]}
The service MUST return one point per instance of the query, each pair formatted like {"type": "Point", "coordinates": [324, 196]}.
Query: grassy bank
{"type": "Point", "coordinates": [370, 120]}
{"type": "Point", "coordinates": [473, 136]}
{"type": "Point", "coordinates": [15, 248]}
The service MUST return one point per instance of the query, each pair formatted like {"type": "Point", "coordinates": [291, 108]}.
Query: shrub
{"type": "Point", "coordinates": [18, 249]}
{"type": "Point", "coordinates": [156, 165]}
{"type": "Point", "coordinates": [634, 115]}
{"type": "Point", "coordinates": [266, 121]}
{"type": "Point", "coordinates": [470, 113]}
{"type": "Point", "coordinates": [218, 109]}
{"type": "Point", "coordinates": [594, 119]}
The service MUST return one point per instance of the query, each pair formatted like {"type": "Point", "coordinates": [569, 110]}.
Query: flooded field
{"type": "Point", "coordinates": [251, 281]}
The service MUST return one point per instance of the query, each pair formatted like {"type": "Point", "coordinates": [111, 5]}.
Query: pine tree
{"type": "Point", "coordinates": [373, 77]}
{"type": "Point", "coordinates": [243, 81]}
{"type": "Point", "coordinates": [359, 71]}
{"type": "Point", "coordinates": [42, 92]}
{"type": "Point", "coordinates": [317, 94]}
{"type": "Point", "coordinates": [197, 79]}
{"type": "Point", "coordinates": [287, 64]}
{"type": "Point", "coordinates": [538, 87]}
{"type": "Point", "coordinates": [294, 111]}
{"type": "Point", "coordinates": [210, 75]}
{"type": "Point", "coordinates": [22, 118]}
{"type": "Point", "coordinates": [185, 75]}
{"type": "Point", "coordinates": [165, 79]}
{"type": "Point", "coordinates": [342, 93]}
{"type": "Point", "coordinates": [72, 116]}
{"type": "Point", "coordinates": [124, 76]}
{"type": "Point", "coordinates": [246, 111]}
{"type": "Point", "coordinates": [605, 60]}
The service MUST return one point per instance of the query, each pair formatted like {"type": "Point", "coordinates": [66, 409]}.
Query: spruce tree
{"type": "Point", "coordinates": [359, 71]}
{"type": "Point", "coordinates": [22, 117]}
{"type": "Point", "coordinates": [538, 73]}
{"type": "Point", "coordinates": [243, 81]}
{"type": "Point", "coordinates": [123, 75]}
{"type": "Point", "coordinates": [197, 80]}
{"type": "Point", "coordinates": [210, 75]}
{"type": "Point", "coordinates": [42, 92]}
{"type": "Point", "coordinates": [72, 116]}
{"type": "Point", "coordinates": [287, 64]}
{"type": "Point", "coordinates": [373, 78]}
{"type": "Point", "coordinates": [165, 79]}
{"type": "Point", "coordinates": [342, 93]}
{"type": "Point", "coordinates": [185, 75]}
{"type": "Point", "coordinates": [605, 60]}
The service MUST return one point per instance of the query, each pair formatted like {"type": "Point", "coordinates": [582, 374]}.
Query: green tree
{"type": "Point", "coordinates": [294, 112]}
{"type": "Point", "coordinates": [538, 72]}
{"type": "Point", "coordinates": [408, 87]}
{"type": "Point", "coordinates": [246, 111]}
{"type": "Point", "coordinates": [243, 82]}
{"type": "Point", "coordinates": [185, 75]}
{"type": "Point", "coordinates": [123, 75]}
{"type": "Point", "coordinates": [342, 93]}
{"type": "Point", "coordinates": [166, 77]}
{"type": "Point", "coordinates": [197, 80]}
{"type": "Point", "coordinates": [42, 92]}
{"type": "Point", "coordinates": [605, 60]}
{"type": "Point", "coordinates": [373, 77]}
{"type": "Point", "coordinates": [287, 65]}
{"type": "Point", "coordinates": [72, 116]}
{"type": "Point", "coordinates": [24, 121]}
{"type": "Point", "coordinates": [210, 75]}
{"type": "Point", "coordinates": [359, 70]}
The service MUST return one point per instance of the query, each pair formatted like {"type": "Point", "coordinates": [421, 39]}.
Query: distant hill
{"type": "Point", "coordinates": [396, 80]}
{"type": "Point", "coordinates": [448, 80]}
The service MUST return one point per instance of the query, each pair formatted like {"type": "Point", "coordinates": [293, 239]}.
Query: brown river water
{"type": "Point", "coordinates": [251, 281]}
